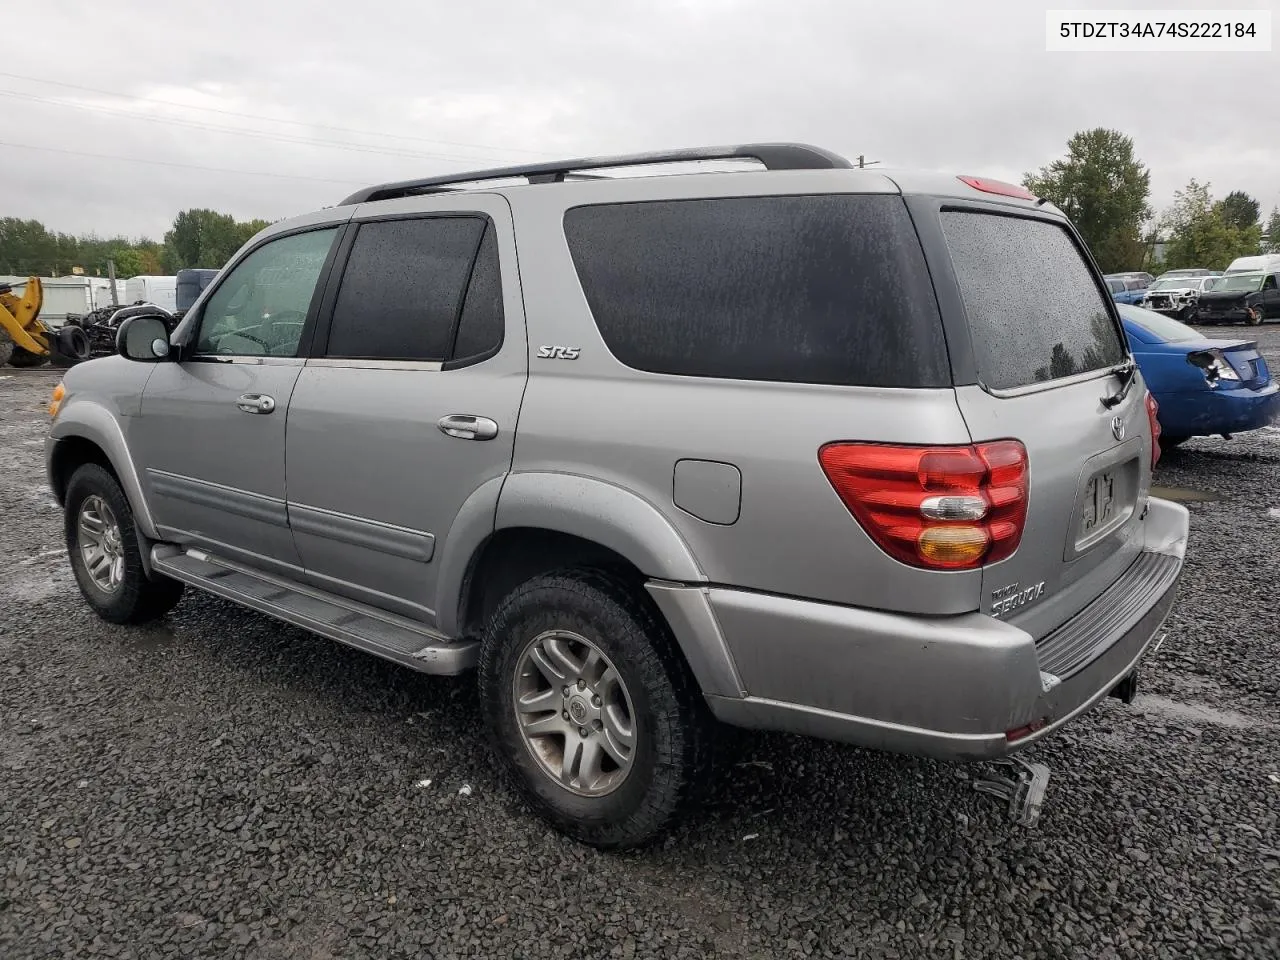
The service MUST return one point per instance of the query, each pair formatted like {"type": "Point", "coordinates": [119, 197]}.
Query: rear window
{"type": "Point", "coordinates": [1157, 327]}
{"type": "Point", "coordinates": [1034, 309]}
{"type": "Point", "coordinates": [808, 289]}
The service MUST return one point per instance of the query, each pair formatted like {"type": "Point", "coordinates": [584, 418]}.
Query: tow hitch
{"type": "Point", "coordinates": [1024, 788]}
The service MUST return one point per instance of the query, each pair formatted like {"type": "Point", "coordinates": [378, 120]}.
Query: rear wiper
{"type": "Point", "coordinates": [1127, 371]}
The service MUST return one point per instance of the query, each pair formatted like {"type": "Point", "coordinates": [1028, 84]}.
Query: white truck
{"type": "Point", "coordinates": [162, 291]}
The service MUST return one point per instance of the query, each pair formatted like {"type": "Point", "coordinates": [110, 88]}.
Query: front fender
{"type": "Point", "coordinates": [90, 421]}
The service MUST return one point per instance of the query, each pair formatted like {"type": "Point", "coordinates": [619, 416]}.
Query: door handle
{"type": "Point", "coordinates": [467, 428]}
{"type": "Point", "coordinates": [256, 403]}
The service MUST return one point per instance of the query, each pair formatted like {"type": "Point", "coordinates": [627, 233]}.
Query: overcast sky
{"type": "Point", "coordinates": [965, 87]}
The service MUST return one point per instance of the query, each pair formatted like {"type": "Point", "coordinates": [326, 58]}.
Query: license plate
{"type": "Point", "coordinates": [1099, 503]}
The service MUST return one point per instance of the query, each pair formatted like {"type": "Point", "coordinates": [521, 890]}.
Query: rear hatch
{"type": "Point", "coordinates": [1044, 344]}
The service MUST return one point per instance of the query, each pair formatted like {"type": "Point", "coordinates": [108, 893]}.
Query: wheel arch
{"type": "Point", "coordinates": [87, 433]}
{"type": "Point", "coordinates": [546, 522]}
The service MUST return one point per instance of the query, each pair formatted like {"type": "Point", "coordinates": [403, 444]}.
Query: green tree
{"type": "Point", "coordinates": [1272, 231]}
{"type": "Point", "coordinates": [1103, 189]}
{"type": "Point", "coordinates": [1199, 234]}
{"type": "Point", "coordinates": [1239, 210]}
{"type": "Point", "coordinates": [26, 247]}
{"type": "Point", "coordinates": [205, 238]}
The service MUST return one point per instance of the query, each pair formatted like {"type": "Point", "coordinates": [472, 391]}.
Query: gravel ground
{"type": "Point", "coordinates": [222, 785]}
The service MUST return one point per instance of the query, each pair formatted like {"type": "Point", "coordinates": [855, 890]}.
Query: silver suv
{"type": "Point", "coordinates": [849, 453]}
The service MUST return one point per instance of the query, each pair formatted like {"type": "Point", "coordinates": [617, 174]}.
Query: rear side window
{"type": "Point", "coordinates": [403, 288]}
{"type": "Point", "coordinates": [807, 289]}
{"type": "Point", "coordinates": [1034, 309]}
{"type": "Point", "coordinates": [482, 323]}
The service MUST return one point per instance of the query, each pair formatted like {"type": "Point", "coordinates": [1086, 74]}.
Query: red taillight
{"type": "Point", "coordinates": [1152, 409]}
{"type": "Point", "coordinates": [943, 508]}
{"type": "Point", "coordinates": [999, 187]}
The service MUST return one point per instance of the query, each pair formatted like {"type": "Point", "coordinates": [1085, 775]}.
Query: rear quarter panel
{"type": "Point", "coordinates": [597, 418]}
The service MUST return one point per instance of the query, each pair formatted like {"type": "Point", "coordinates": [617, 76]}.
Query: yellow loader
{"type": "Point", "coordinates": [25, 340]}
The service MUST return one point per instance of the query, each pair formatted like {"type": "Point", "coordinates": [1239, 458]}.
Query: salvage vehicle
{"type": "Point", "coordinates": [1203, 387]}
{"type": "Point", "coordinates": [1247, 298]}
{"type": "Point", "coordinates": [1174, 296]}
{"type": "Point", "coordinates": [1189, 272]}
{"type": "Point", "coordinates": [849, 453]}
{"type": "Point", "coordinates": [1125, 289]}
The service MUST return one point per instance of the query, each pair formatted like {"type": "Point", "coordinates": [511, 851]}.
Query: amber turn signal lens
{"type": "Point", "coordinates": [58, 393]}
{"type": "Point", "coordinates": [952, 546]}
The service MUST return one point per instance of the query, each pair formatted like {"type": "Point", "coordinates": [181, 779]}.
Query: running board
{"type": "Point", "coordinates": [374, 631]}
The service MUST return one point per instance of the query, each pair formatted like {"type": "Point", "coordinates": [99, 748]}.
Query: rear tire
{"type": "Point", "coordinates": [542, 639]}
{"type": "Point", "coordinates": [23, 357]}
{"type": "Point", "coordinates": [105, 555]}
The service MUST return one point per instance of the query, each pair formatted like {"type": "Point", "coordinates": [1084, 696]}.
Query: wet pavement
{"type": "Point", "coordinates": [222, 785]}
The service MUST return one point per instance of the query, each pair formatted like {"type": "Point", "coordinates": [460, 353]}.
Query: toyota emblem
{"type": "Point", "coordinates": [1117, 428]}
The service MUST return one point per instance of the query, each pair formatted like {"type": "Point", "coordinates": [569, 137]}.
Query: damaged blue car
{"type": "Point", "coordinates": [1204, 387]}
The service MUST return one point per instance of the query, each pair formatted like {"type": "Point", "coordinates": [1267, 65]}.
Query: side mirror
{"type": "Point", "coordinates": [144, 338]}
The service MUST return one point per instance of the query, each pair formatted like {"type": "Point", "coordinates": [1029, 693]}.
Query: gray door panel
{"type": "Point", "coordinates": [214, 473]}
{"type": "Point", "coordinates": [374, 479]}
{"type": "Point", "coordinates": [374, 484]}
{"type": "Point", "coordinates": [211, 434]}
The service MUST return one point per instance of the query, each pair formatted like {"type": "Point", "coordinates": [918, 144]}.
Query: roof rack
{"type": "Point", "coordinates": [774, 156]}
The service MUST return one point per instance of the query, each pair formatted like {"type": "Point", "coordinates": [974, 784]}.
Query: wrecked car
{"type": "Point", "coordinates": [1239, 298]}
{"type": "Point", "coordinates": [1175, 296]}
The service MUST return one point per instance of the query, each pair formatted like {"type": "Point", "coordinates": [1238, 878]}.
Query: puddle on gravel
{"type": "Point", "coordinates": [1184, 494]}
{"type": "Point", "coordinates": [1194, 712]}
{"type": "Point", "coordinates": [149, 640]}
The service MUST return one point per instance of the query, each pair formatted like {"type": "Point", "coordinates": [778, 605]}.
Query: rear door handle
{"type": "Point", "coordinates": [256, 403]}
{"type": "Point", "coordinates": [467, 428]}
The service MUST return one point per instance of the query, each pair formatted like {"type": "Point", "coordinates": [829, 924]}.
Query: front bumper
{"type": "Point", "coordinates": [946, 687]}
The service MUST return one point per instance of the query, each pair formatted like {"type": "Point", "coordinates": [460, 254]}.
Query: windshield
{"type": "Point", "coordinates": [1157, 325]}
{"type": "Point", "coordinates": [1174, 283]}
{"type": "Point", "coordinates": [1240, 283]}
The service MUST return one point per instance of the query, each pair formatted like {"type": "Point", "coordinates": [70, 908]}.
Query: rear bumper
{"type": "Point", "coordinates": [947, 687]}
{"type": "Point", "coordinates": [1207, 412]}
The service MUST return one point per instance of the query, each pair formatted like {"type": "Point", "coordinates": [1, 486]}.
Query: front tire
{"type": "Point", "coordinates": [591, 708]}
{"type": "Point", "coordinates": [106, 557]}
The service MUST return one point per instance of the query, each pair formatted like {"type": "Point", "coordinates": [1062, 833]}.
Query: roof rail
{"type": "Point", "coordinates": [774, 156]}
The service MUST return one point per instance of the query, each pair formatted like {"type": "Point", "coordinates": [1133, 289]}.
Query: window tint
{"type": "Point", "coordinates": [1115, 286]}
{"type": "Point", "coordinates": [1034, 310]}
{"type": "Point", "coordinates": [481, 326]}
{"type": "Point", "coordinates": [821, 289]}
{"type": "Point", "coordinates": [402, 288]}
{"type": "Point", "coordinates": [261, 306]}
{"type": "Point", "coordinates": [1269, 283]}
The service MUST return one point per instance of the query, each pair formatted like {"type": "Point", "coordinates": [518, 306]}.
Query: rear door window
{"type": "Point", "coordinates": [1035, 311]}
{"type": "Point", "coordinates": [805, 289]}
{"type": "Point", "coordinates": [403, 288]}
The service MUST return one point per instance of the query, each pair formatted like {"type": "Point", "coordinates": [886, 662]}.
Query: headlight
{"type": "Point", "coordinates": [59, 393]}
{"type": "Point", "coordinates": [1214, 364]}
